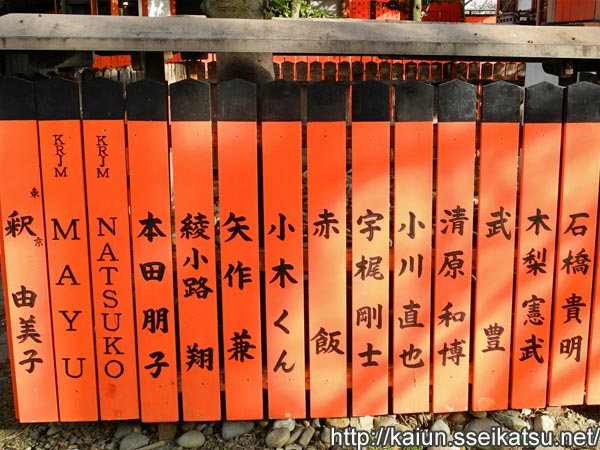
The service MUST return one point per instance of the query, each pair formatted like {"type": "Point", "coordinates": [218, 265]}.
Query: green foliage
{"type": "Point", "coordinates": [284, 8]}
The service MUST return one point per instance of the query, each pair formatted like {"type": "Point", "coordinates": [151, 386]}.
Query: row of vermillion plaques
{"type": "Point", "coordinates": [101, 329]}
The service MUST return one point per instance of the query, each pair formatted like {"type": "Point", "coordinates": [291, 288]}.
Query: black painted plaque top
{"type": "Point", "coordinates": [413, 102]}
{"type": "Point", "coordinates": [326, 102]}
{"type": "Point", "coordinates": [57, 99]}
{"type": "Point", "coordinates": [583, 102]}
{"type": "Point", "coordinates": [190, 101]}
{"type": "Point", "coordinates": [17, 99]}
{"type": "Point", "coordinates": [236, 101]}
{"type": "Point", "coordinates": [458, 102]}
{"type": "Point", "coordinates": [102, 99]}
{"type": "Point", "coordinates": [146, 100]}
{"type": "Point", "coordinates": [280, 101]}
{"type": "Point", "coordinates": [544, 103]}
{"type": "Point", "coordinates": [371, 102]}
{"type": "Point", "coordinates": [501, 102]}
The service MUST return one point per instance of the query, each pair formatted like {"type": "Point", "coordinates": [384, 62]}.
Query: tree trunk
{"type": "Point", "coordinates": [254, 67]}
{"type": "Point", "coordinates": [417, 10]}
{"type": "Point", "coordinates": [295, 13]}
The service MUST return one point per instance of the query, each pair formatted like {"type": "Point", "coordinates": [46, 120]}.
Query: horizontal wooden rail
{"type": "Point", "coordinates": [287, 36]}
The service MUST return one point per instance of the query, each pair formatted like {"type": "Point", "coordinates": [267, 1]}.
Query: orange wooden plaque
{"type": "Point", "coordinates": [370, 247]}
{"type": "Point", "coordinates": [67, 245]}
{"type": "Point", "coordinates": [453, 241]}
{"type": "Point", "coordinates": [193, 194]}
{"type": "Point", "coordinates": [23, 250]}
{"type": "Point", "coordinates": [413, 184]}
{"type": "Point", "coordinates": [240, 265]}
{"type": "Point", "coordinates": [112, 286]}
{"type": "Point", "coordinates": [152, 250]}
{"type": "Point", "coordinates": [326, 167]}
{"type": "Point", "coordinates": [499, 152]}
{"type": "Point", "coordinates": [535, 247]}
{"type": "Point", "coordinates": [284, 249]}
{"type": "Point", "coordinates": [575, 253]}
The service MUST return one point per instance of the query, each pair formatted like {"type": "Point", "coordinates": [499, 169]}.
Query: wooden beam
{"type": "Point", "coordinates": [289, 36]}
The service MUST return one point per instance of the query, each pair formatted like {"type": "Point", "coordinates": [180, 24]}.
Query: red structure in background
{"type": "Point", "coordinates": [443, 12]}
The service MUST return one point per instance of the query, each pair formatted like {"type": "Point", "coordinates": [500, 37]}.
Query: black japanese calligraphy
{"type": "Point", "coordinates": [150, 229]}
{"type": "Point", "coordinates": [281, 364]}
{"type": "Point", "coordinates": [498, 225]}
{"type": "Point", "coordinates": [282, 273]}
{"type": "Point", "coordinates": [412, 264]}
{"type": "Point", "coordinates": [152, 271]}
{"type": "Point", "coordinates": [327, 342]}
{"type": "Point", "coordinates": [193, 227]}
{"type": "Point", "coordinates": [279, 322]}
{"type": "Point", "coordinates": [455, 221]}
{"type": "Point", "coordinates": [534, 314]}
{"type": "Point", "coordinates": [28, 330]}
{"type": "Point", "coordinates": [195, 259]}
{"type": "Point", "coordinates": [573, 307]}
{"type": "Point", "coordinates": [241, 346]}
{"type": "Point", "coordinates": [577, 230]}
{"type": "Point", "coordinates": [327, 224]}
{"type": "Point", "coordinates": [447, 316]}
{"type": "Point", "coordinates": [369, 219]}
{"type": "Point", "coordinates": [493, 333]}
{"type": "Point", "coordinates": [368, 355]}
{"type": "Point", "coordinates": [282, 227]}
{"type": "Point", "coordinates": [242, 272]}
{"type": "Point", "coordinates": [16, 224]}
{"type": "Point", "coordinates": [197, 287]}
{"type": "Point", "coordinates": [535, 261]}
{"type": "Point", "coordinates": [411, 316]}
{"type": "Point", "coordinates": [370, 315]}
{"type": "Point", "coordinates": [452, 264]}
{"type": "Point", "coordinates": [578, 263]}
{"type": "Point", "coordinates": [413, 223]}
{"type": "Point", "coordinates": [538, 222]}
{"type": "Point", "coordinates": [571, 345]}
{"type": "Point", "coordinates": [24, 298]}
{"type": "Point", "coordinates": [411, 357]}
{"type": "Point", "coordinates": [157, 365]}
{"type": "Point", "coordinates": [156, 320]}
{"type": "Point", "coordinates": [534, 344]}
{"type": "Point", "coordinates": [453, 352]}
{"type": "Point", "coordinates": [237, 228]}
{"type": "Point", "coordinates": [31, 360]}
{"type": "Point", "coordinates": [200, 357]}
{"type": "Point", "coordinates": [369, 268]}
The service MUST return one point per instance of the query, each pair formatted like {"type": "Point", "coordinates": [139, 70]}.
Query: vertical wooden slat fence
{"type": "Point", "coordinates": [307, 249]}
